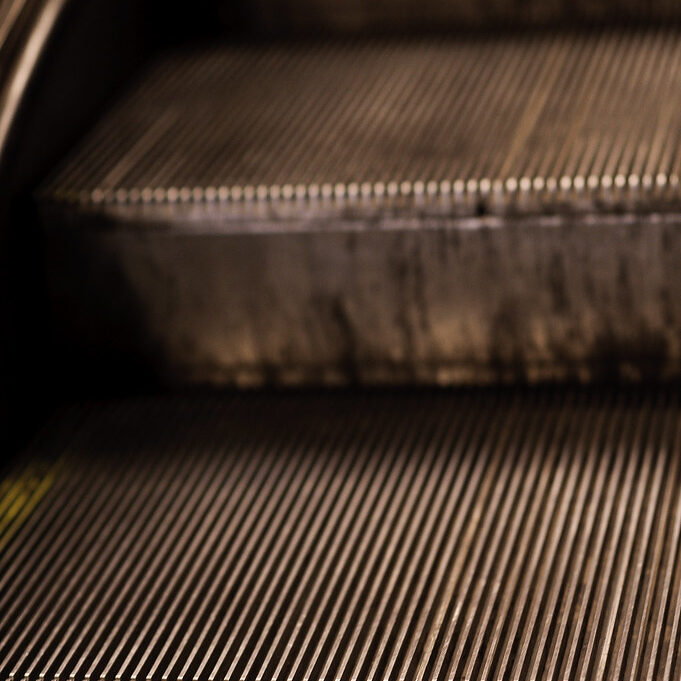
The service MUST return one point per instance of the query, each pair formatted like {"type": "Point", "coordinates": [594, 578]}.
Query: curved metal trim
{"type": "Point", "coordinates": [10, 14]}
{"type": "Point", "coordinates": [24, 65]}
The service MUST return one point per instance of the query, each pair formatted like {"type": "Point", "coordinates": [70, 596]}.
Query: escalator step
{"type": "Point", "coordinates": [498, 124]}
{"type": "Point", "coordinates": [436, 210]}
{"type": "Point", "coordinates": [439, 535]}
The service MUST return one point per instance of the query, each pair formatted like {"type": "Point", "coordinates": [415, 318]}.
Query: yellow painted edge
{"type": "Point", "coordinates": [20, 495]}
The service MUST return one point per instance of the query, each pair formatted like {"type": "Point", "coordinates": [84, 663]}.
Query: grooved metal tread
{"type": "Point", "coordinates": [576, 121]}
{"type": "Point", "coordinates": [438, 535]}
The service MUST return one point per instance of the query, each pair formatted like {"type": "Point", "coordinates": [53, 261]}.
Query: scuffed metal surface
{"type": "Point", "coordinates": [529, 300]}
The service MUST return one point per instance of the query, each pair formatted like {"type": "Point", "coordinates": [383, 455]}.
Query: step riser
{"type": "Point", "coordinates": [449, 302]}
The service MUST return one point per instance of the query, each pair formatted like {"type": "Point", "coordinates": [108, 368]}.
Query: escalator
{"type": "Point", "coordinates": [345, 341]}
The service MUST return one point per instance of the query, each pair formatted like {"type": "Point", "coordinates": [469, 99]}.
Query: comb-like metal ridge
{"type": "Point", "coordinates": [471, 535]}
{"type": "Point", "coordinates": [583, 121]}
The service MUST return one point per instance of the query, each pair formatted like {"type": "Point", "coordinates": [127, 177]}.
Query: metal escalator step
{"type": "Point", "coordinates": [494, 124]}
{"type": "Point", "coordinates": [470, 535]}
{"type": "Point", "coordinates": [428, 210]}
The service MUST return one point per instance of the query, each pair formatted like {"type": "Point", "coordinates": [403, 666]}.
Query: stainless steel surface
{"type": "Point", "coordinates": [566, 121]}
{"type": "Point", "coordinates": [468, 535]}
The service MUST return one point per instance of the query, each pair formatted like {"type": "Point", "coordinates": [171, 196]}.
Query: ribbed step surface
{"type": "Point", "coordinates": [517, 123]}
{"type": "Point", "coordinates": [476, 535]}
